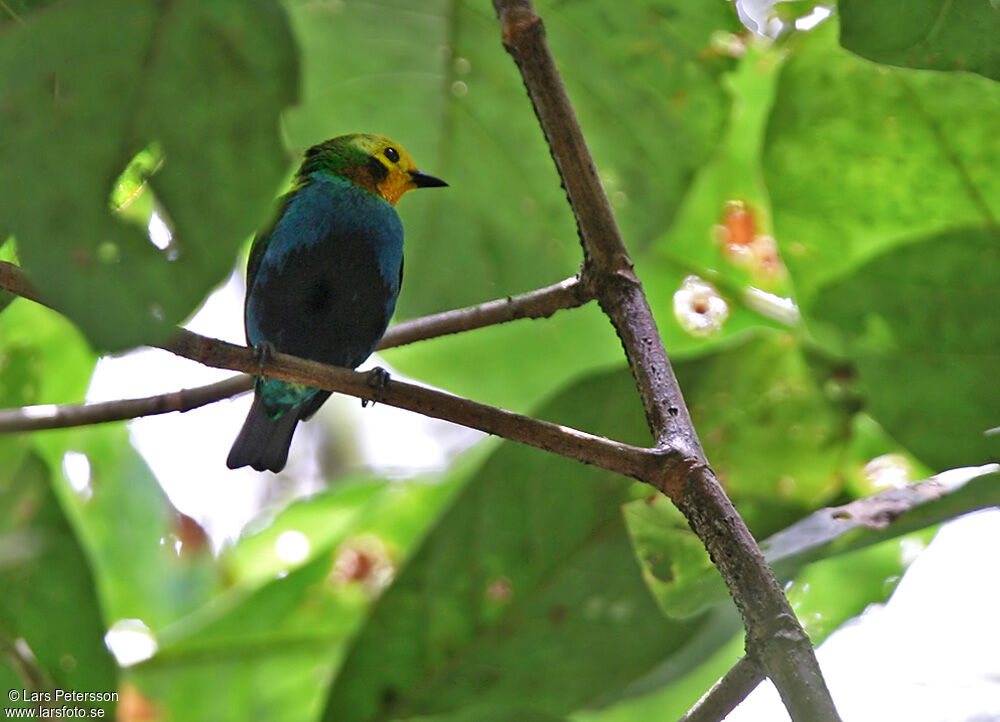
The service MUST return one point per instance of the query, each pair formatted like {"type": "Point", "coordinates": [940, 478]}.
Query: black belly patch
{"type": "Point", "coordinates": [319, 297]}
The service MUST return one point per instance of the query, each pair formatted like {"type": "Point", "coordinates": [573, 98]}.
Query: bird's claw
{"type": "Point", "coordinates": [378, 379]}
{"type": "Point", "coordinates": [263, 354]}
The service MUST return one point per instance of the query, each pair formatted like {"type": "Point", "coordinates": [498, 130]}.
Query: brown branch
{"type": "Point", "coordinates": [841, 529]}
{"type": "Point", "coordinates": [540, 303]}
{"type": "Point", "coordinates": [535, 304]}
{"type": "Point", "coordinates": [13, 279]}
{"type": "Point", "coordinates": [37, 418]}
{"type": "Point", "coordinates": [633, 461]}
{"type": "Point", "coordinates": [726, 694]}
{"type": "Point", "coordinates": [775, 640]}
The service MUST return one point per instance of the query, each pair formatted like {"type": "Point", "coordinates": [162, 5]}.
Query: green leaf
{"type": "Point", "coordinates": [18, 12]}
{"type": "Point", "coordinates": [75, 107]}
{"type": "Point", "coordinates": [127, 525]}
{"type": "Point", "coordinates": [731, 176]}
{"type": "Point", "coordinates": [828, 533]}
{"type": "Point", "coordinates": [877, 159]}
{"type": "Point", "coordinates": [774, 427]}
{"type": "Point", "coordinates": [503, 714]}
{"type": "Point", "coordinates": [43, 360]}
{"type": "Point", "coordinates": [920, 327]}
{"type": "Point", "coordinates": [954, 35]}
{"type": "Point", "coordinates": [289, 624]}
{"type": "Point", "coordinates": [777, 436]}
{"type": "Point", "coordinates": [534, 548]}
{"type": "Point", "coordinates": [49, 600]}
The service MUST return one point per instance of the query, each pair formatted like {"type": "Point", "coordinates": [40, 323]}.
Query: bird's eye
{"type": "Point", "coordinates": [392, 154]}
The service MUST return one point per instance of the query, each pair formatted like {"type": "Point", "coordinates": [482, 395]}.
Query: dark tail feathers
{"type": "Point", "coordinates": [263, 442]}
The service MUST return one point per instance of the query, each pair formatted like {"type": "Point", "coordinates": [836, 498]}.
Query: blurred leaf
{"type": "Point", "coordinates": [670, 702]}
{"type": "Point", "coordinates": [956, 35]}
{"type": "Point", "coordinates": [127, 524]}
{"type": "Point", "coordinates": [271, 651]}
{"type": "Point", "coordinates": [840, 530]}
{"type": "Point", "coordinates": [75, 107]}
{"type": "Point", "coordinates": [828, 593]}
{"type": "Point", "coordinates": [319, 520]}
{"type": "Point", "coordinates": [697, 240]}
{"type": "Point", "coordinates": [674, 562]}
{"type": "Point", "coordinates": [921, 329]}
{"type": "Point", "coordinates": [501, 365]}
{"type": "Point", "coordinates": [49, 600]}
{"type": "Point", "coordinates": [8, 253]}
{"type": "Point", "coordinates": [533, 548]}
{"type": "Point", "coordinates": [824, 596]}
{"type": "Point", "coordinates": [292, 626]}
{"type": "Point", "coordinates": [774, 428]}
{"type": "Point", "coordinates": [55, 362]}
{"type": "Point", "coordinates": [504, 714]}
{"type": "Point", "coordinates": [18, 12]}
{"type": "Point", "coordinates": [43, 360]}
{"type": "Point", "coordinates": [889, 514]}
{"type": "Point", "coordinates": [860, 158]}
{"type": "Point", "coordinates": [777, 438]}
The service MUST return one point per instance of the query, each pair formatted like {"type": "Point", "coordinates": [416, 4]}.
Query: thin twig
{"type": "Point", "coordinates": [775, 639]}
{"type": "Point", "coordinates": [50, 416]}
{"type": "Point", "coordinates": [726, 694]}
{"type": "Point", "coordinates": [541, 303]}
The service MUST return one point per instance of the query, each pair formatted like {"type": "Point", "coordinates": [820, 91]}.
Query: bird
{"type": "Point", "coordinates": [323, 278]}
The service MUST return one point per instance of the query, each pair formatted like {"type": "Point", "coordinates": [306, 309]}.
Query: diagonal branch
{"type": "Point", "coordinates": [633, 461]}
{"type": "Point", "coordinates": [626, 459]}
{"type": "Point", "coordinates": [540, 303]}
{"type": "Point", "coordinates": [51, 416]}
{"type": "Point", "coordinates": [775, 640]}
{"type": "Point", "coordinates": [726, 694]}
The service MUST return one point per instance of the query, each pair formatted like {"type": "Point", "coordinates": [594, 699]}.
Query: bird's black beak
{"type": "Point", "coordinates": [423, 180]}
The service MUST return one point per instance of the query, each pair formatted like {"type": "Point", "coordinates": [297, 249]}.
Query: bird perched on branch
{"type": "Point", "coordinates": [323, 279]}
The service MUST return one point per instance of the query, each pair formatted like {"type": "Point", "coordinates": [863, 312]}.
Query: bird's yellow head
{"type": "Point", "coordinates": [374, 162]}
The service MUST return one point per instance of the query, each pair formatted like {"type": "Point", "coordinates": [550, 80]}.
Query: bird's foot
{"type": "Point", "coordinates": [378, 379]}
{"type": "Point", "coordinates": [263, 354]}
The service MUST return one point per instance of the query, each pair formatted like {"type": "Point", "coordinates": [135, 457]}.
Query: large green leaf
{"type": "Point", "coordinates": [507, 713]}
{"type": "Point", "coordinates": [200, 83]}
{"type": "Point", "coordinates": [43, 360]}
{"type": "Point", "coordinates": [922, 331]}
{"type": "Point", "coordinates": [128, 527]}
{"type": "Point", "coordinates": [17, 12]}
{"type": "Point", "coordinates": [289, 624]}
{"type": "Point", "coordinates": [49, 602]}
{"type": "Point", "coordinates": [527, 589]}
{"type": "Point", "coordinates": [953, 35]}
{"type": "Point", "coordinates": [860, 158]}
{"type": "Point", "coordinates": [773, 424]}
